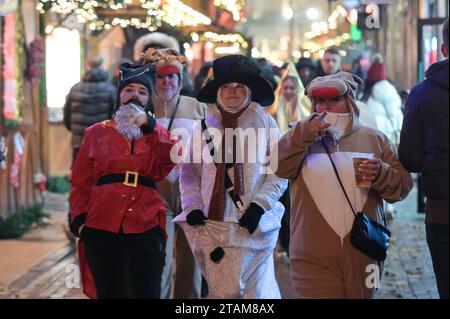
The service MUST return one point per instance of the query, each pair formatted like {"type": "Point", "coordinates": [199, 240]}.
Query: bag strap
{"type": "Point", "coordinates": [324, 144]}
{"type": "Point", "coordinates": [228, 183]}
{"type": "Point", "coordinates": [172, 117]}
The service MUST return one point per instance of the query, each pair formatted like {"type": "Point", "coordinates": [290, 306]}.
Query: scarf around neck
{"type": "Point", "coordinates": [218, 200]}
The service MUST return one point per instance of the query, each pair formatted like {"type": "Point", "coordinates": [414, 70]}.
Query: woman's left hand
{"type": "Point", "coordinates": [370, 169]}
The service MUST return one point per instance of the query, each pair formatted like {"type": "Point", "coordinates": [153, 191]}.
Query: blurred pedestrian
{"type": "Point", "coordinates": [358, 69]}
{"type": "Point", "coordinates": [89, 101]}
{"type": "Point", "coordinates": [267, 72]}
{"type": "Point", "coordinates": [202, 77]}
{"type": "Point", "coordinates": [306, 69]}
{"type": "Point", "coordinates": [330, 63]}
{"type": "Point", "coordinates": [383, 100]}
{"type": "Point", "coordinates": [324, 263]}
{"type": "Point", "coordinates": [424, 149]}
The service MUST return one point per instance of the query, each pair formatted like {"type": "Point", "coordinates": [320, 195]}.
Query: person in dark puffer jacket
{"type": "Point", "coordinates": [424, 149]}
{"type": "Point", "coordinates": [90, 101]}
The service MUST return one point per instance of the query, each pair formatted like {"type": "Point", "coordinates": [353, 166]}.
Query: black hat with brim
{"type": "Point", "coordinates": [240, 69]}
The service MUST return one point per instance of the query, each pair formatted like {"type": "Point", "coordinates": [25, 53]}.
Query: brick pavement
{"type": "Point", "coordinates": [408, 272]}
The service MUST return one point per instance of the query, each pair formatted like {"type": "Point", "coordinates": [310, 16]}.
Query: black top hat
{"type": "Point", "coordinates": [237, 68]}
{"type": "Point", "coordinates": [133, 73]}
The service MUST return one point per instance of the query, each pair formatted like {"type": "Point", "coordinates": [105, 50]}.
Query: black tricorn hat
{"type": "Point", "coordinates": [135, 73]}
{"type": "Point", "coordinates": [237, 68]}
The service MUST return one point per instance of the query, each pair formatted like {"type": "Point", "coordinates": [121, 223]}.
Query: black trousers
{"type": "Point", "coordinates": [285, 230]}
{"type": "Point", "coordinates": [437, 238]}
{"type": "Point", "coordinates": [125, 265]}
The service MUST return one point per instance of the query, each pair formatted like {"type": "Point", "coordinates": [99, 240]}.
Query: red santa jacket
{"type": "Point", "coordinates": [108, 207]}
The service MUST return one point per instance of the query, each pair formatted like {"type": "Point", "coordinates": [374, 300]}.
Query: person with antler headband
{"type": "Point", "coordinates": [178, 114]}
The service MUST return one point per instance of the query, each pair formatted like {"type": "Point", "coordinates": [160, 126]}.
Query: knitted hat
{"type": "Point", "coordinates": [377, 71]}
{"type": "Point", "coordinates": [132, 73]}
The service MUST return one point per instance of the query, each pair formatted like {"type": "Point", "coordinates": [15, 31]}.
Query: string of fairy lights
{"type": "Point", "coordinates": [233, 6]}
{"type": "Point", "coordinates": [222, 38]}
{"type": "Point", "coordinates": [172, 12]}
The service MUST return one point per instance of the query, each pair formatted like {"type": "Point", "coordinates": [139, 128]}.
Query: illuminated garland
{"type": "Point", "coordinates": [176, 13]}
{"type": "Point", "coordinates": [233, 6]}
{"type": "Point", "coordinates": [172, 12]}
{"type": "Point", "coordinates": [20, 59]}
{"type": "Point", "coordinates": [233, 38]}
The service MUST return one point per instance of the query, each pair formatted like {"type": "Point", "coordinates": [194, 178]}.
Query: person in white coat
{"type": "Point", "coordinates": [229, 193]}
{"type": "Point", "coordinates": [385, 105]}
{"type": "Point", "coordinates": [383, 101]}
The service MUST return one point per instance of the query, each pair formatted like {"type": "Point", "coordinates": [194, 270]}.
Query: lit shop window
{"type": "Point", "coordinates": [62, 68]}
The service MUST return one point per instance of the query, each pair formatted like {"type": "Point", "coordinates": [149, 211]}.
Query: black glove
{"type": "Point", "coordinates": [76, 224]}
{"type": "Point", "coordinates": [149, 127]}
{"type": "Point", "coordinates": [250, 219]}
{"type": "Point", "coordinates": [196, 217]}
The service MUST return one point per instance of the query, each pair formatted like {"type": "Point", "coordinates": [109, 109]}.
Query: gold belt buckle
{"type": "Point", "coordinates": [134, 176]}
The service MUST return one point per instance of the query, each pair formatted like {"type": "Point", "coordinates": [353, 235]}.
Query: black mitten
{"type": "Point", "coordinates": [196, 217]}
{"type": "Point", "coordinates": [250, 219]}
{"type": "Point", "coordinates": [149, 127]}
{"type": "Point", "coordinates": [217, 254]}
{"type": "Point", "coordinates": [76, 224]}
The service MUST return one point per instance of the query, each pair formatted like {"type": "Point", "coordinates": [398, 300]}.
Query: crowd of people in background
{"type": "Point", "coordinates": [211, 244]}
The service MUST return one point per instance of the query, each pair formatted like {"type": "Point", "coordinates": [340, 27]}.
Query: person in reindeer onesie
{"type": "Point", "coordinates": [324, 263]}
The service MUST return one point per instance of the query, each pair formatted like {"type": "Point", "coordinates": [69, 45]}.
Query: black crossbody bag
{"type": "Point", "coordinates": [368, 236]}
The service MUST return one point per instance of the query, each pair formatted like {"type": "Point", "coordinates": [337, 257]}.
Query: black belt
{"type": "Point", "coordinates": [131, 179]}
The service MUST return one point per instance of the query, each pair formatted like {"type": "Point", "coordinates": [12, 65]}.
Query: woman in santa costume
{"type": "Point", "coordinates": [114, 207]}
{"type": "Point", "coordinates": [231, 214]}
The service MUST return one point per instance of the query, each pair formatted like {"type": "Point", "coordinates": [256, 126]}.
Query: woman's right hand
{"type": "Point", "coordinates": [317, 126]}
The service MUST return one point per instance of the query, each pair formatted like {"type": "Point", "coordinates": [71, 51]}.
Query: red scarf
{"type": "Point", "coordinates": [217, 205]}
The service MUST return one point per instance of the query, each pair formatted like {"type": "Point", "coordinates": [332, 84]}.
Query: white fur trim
{"type": "Point", "coordinates": [157, 38]}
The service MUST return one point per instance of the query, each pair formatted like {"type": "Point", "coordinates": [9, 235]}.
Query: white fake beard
{"type": "Point", "coordinates": [124, 123]}
{"type": "Point", "coordinates": [338, 123]}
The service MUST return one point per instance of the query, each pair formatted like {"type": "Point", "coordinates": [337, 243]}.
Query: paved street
{"type": "Point", "coordinates": [407, 275]}
{"type": "Point", "coordinates": [408, 272]}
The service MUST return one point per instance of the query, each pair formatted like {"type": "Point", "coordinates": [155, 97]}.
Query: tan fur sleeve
{"type": "Point", "coordinates": [292, 148]}
{"type": "Point", "coordinates": [394, 183]}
